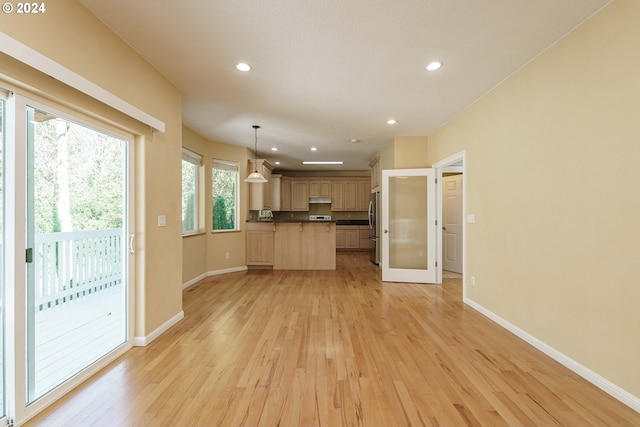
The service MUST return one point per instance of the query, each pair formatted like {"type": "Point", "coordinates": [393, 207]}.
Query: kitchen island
{"type": "Point", "coordinates": [291, 245]}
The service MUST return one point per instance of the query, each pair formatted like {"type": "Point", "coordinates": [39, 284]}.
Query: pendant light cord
{"type": "Point", "coordinates": [255, 151]}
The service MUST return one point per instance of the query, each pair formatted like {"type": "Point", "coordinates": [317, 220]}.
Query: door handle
{"type": "Point", "coordinates": [131, 246]}
{"type": "Point", "coordinates": [386, 231]}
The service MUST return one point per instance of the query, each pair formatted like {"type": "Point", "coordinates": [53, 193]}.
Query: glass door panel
{"type": "Point", "coordinates": [2, 243]}
{"type": "Point", "coordinates": [408, 222]}
{"type": "Point", "coordinates": [76, 240]}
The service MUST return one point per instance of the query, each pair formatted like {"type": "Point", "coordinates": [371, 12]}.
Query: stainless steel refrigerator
{"type": "Point", "coordinates": [374, 227]}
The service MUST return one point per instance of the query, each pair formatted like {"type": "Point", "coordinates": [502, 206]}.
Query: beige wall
{"type": "Point", "coordinates": [73, 37]}
{"type": "Point", "coordinates": [405, 152]}
{"type": "Point", "coordinates": [552, 180]}
{"type": "Point", "coordinates": [206, 252]}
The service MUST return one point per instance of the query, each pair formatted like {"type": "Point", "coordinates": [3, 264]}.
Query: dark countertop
{"type": "Point", "coordinates": [352, 222]}
{"type": "Point", "coordinates": [285, 221]}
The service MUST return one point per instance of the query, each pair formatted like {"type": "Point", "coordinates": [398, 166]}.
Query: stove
{"type": "Point", "coordinates": [319, 217]}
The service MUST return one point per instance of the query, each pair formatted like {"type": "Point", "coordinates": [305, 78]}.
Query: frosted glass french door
{"type": "Point", "coordinates": [76, 248]}
{"type": "Point", "coordinates": [408, 229]}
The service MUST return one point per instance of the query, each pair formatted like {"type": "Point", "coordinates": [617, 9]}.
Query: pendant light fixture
{"type": "Point", "coordinates": [255, 176]}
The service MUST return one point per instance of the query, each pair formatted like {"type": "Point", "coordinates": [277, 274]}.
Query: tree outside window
{"type": "Point", "coordinates": [225, 195]}
{"type": "Point", "coordinates": [190, 167]}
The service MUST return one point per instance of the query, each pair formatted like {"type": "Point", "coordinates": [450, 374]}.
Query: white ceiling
{"type": "Point", "coordinates": [325, 72]}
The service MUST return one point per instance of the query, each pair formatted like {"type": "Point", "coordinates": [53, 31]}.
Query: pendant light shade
{"type": "Point", "coordinates": [255, 176]}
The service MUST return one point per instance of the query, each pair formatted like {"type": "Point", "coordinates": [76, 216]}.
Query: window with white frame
{"type": "Point", "coordinates": [191, 163]}
{"type": "Point", "coordinates": [225, 183]}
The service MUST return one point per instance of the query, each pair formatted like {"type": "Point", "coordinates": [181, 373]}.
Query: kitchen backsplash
{"type": "Point", "coordinates": [314, 209]}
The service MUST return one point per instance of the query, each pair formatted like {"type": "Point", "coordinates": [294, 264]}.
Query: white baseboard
{"type": "Point", "coordinates": [213, 273]}
{"type": "Point", "coordinates": [195, 280]}
{"type": "Point", "coordinates": [604, 384]}
{"type": "Point", "coordinates": [146, 340]}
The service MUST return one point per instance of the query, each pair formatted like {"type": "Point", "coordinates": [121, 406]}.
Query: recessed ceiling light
{"type": "Point", "coordinates": [353, 141]}
{"type": "Point", "coordinates": [322, 163]}
{"type": "Point", "coordinates": [243, 67]}
{"type": "Point", "coordinates": [314, 149]}
{"type": "Point", "coordinates": [391, 122]}
{"type": "Point", "coordinates": [274, 148]}
{"type": "Point", "coordinates": [277, 163]}
{"type": "Point", "coordinates": [434, 65]}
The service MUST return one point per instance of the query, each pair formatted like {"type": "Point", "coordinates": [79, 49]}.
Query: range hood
{"type": "Point", "coordinates": [319, 199]}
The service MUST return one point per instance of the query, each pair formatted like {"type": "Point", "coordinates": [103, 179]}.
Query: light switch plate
{"type": "Point", "coordinates": [471, 218]}
{"type": "Point", "coordinates": [162, 220]}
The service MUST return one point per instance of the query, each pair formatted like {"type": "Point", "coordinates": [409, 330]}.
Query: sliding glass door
{"type": "Point", "coordinates": [2, 245]}
{"type": "Point", "coordinates": [76, 248]}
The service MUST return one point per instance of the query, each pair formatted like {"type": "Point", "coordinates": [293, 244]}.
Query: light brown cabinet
{"type": "Point", "coordinates": [337, 195]}
{"type": "Point", "coordinates": [319, 188]}
{"type": "Point", "coordinates": [363, 233]}
{"type": "Point", "coordinates": [305, 246]}
{"type": "Point", "coordinates": [285, 193]}
{"type": "Point", "coordinates": [260, 244]}
{"type": "Point", "coordinates": [346, 237]}
{"type": "Point", "coordinates": [352, 237]}
{"type": "Point", "coordinates": [350, 194]}
{"type": "Point", "coordinates": [299, 195]}
{"type": "Point", "coordinates": [376, 173]}
{"type": "Point", "coordinates": [260, 193]}
{"type": "Point", "coordinates": [363, 196]}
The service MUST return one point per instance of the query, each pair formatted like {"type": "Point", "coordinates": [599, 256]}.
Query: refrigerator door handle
{"type": "Point", "coordinates": [370, 214]}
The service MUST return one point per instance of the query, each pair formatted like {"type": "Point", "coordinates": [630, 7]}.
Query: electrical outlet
{"type": "Point", "coordinates": [228, 255]}
{"type": "Point", "coordinates": [473, 280]}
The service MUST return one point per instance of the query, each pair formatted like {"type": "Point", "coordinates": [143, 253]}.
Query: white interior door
{"type": "Point", "coordinates": [408, 229]}
{"type": "Point", "coordinates": [452, 223]}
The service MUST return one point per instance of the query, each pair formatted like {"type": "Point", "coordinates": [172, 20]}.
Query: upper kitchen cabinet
{"type": "Point", "coordinates": [299, 195]}
{"type": "Point", "coordinates": [320, 188]}
{"type": "Point", "coordinates": [376, 173]}
{"type": "Point", "coordinates": [260, 193]}
{"type": "Point", "coordinates": [350, 194]}
{"type": "Point", "coordinates": [363, 196]}
{"type": "Point", "coordinates": [285, 193]}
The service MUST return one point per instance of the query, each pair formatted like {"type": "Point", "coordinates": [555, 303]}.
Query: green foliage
{"type": "Point", "coordinates": [96, 166]}
{"type": "Point", "coordinates": [224, 199]}
{"type": "Point", "coordinates": [221, 218]}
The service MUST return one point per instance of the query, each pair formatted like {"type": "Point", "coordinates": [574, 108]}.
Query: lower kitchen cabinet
{"type": "Point", "coordinates": [260, 244]}
{"type": "Point", "coordinates": [305, 246]}
{"type": "Point", "coordinates": [352, 237]}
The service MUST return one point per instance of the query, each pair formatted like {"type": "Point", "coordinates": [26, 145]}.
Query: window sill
{"type": "Point", "coordinates": [197, 233]}
{"type": "Point", "coordinates": [224, 231]}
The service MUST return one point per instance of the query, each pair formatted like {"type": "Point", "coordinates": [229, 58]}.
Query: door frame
{"type": "Point", "coordinates": [453, 163]}
{"type": "Point", "coordinates": [15, 275]}
{"type": "Point", "coordinates": [430, 274]}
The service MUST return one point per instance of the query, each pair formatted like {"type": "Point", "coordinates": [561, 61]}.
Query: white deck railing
{"type": "Point", "coordinates": [70, 265]}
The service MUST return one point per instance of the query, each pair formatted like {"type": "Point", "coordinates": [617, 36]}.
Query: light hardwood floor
{"type": "Point", "coordinates": [334, 348]}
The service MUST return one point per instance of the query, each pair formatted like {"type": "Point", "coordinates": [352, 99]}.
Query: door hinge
{"type": "Point", "coordinates": [10, 422]}
{"type": "Point", "coordinates": [436, 263]}
{"type": "Point", "coordinates": [29, 256]}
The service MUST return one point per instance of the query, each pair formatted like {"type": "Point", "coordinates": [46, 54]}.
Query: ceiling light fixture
{"type": "Point", "coordinates": [322, 163]}
{"type": "Point", "coordinates": [255, 176]}
{"type": "Point", "coordinates": [434, 65]}
{"type": "Point", "coordinates": [314, 149]}
{"type": "Point", "coordinates": [391, 122]}
{"type": "Point", "coordinates": [243, 67]}
{"type": "Point", "coordinates": [274, 148]}
{"type": "Point", "coordinates": [277, 163]}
